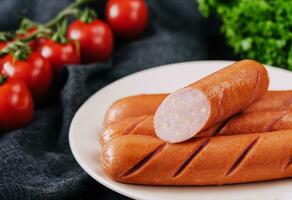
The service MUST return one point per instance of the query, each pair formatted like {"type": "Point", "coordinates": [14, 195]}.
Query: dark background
{"type": "Point", "coordinates": [36, 161]}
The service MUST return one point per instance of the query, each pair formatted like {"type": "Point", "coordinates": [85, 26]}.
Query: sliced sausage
{"type": "Point", "coordinates": [127, 107]}
{"type": "Point", "coordinates": [213, 99]}
{"type": "Point", "coordinates": [245, 123]}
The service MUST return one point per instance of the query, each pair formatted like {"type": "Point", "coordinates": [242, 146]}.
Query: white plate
{"type": "Point", "coordinates": [87, 123]}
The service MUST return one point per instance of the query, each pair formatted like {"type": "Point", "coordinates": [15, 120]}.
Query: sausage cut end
{"type": "Point", "coordinates": [182, 115]}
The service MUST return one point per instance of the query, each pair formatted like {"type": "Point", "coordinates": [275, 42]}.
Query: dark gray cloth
{"type": "Point", "coordinates": [36, 161]}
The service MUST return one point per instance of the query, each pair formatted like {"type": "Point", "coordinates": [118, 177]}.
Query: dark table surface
{"type": "Point", "coordinates": [36, 161]}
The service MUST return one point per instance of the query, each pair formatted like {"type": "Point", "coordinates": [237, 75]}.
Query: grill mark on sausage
{"type": "Point", "coordinates": [191, 157]}
{"type": "Point", "coordinates": [145, 160]}
{"type": "Point", "coordinates": [204, 134]}
{"type": "Point", "coordinates": [130, 128]}
{"type": "Point", "coordinates": [218, 131]}
{"type": "Point", "coordinates": [200, 133]}
{"type": "Point", "coordinates": [140, 122]}
{"type": "Point", "coordinates": [288, 164]}
{"type": "Point", "coordinates": [275, 121]}
{"type": "Point", "coordinates": [242, 156]}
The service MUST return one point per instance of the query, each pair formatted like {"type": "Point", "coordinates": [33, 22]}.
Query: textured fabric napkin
{"type": "Point", "coordinates": [36, 161]}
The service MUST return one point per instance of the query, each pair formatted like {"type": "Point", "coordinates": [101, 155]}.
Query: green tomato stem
{"type": "Point", "coordinates": [59, 35]}
{"type": "Point", "coordinates": [6, 36]}
{"type": "Point", "coordinates": [69, 10]}
{"type": "Point", "coordinates": [87, 15]}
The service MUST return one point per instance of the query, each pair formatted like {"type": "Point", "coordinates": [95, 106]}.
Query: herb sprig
{"type": "Point", "coordinates": [256, 29]}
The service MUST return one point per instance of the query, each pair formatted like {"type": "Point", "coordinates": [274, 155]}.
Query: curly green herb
{"type": "Point", "coordinates": [256, 29]}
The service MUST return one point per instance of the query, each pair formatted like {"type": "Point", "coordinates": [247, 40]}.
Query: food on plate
{"type": "Point", "coordinates": [243, 132]}
{"type": "Point", "coordinates": [245, 123]}
{"type": "Point", "coordinates": [127, 107]}
{"type": "Point", "coordinates": [273, 100]}
{"type": "Point", "coordinates": [16, 104]}
{"type": "Point", "coordinates": [128, 19]}
{"type": "Point", "coordinates": [210, 100]}
{"type": "Point", "coordinates": [142, 125]}
{"type": "Point", "coordinates": [257, 122]}
{"type": "Point", "coordinates": [142, 159]}
{"type": "Point", "coordinates": [133, 106]}
{"type": "Point", "coordinates": [34, 70]}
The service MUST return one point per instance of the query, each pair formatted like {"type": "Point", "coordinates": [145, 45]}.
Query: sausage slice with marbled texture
{"type": "Point", "coordinates": [213, 99]}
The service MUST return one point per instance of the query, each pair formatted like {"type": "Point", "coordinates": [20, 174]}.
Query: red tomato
{"type": "Point", "coordinates": [2, 45]}
{"type": "Point", "coordinates": [16, 105]}
{"type": "Point", "coordinates": [95, 39]}
{"type": "Point", "coordinates": [128, 18]}
{"type": "Point", "coordinates": [59, 54]}
{"type": "Point", "coordinates": [35, 71]}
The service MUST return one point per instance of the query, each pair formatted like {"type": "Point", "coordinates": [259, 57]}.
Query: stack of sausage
{"type": "Point", "coordinates": [225, 128]}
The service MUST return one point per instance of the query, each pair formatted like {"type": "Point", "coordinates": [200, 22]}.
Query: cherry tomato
{"type": "Point", "coordinates": [16, 104]}
{"type": "Point", "coordinates": [2, 45]}
{"type": "Point", "coordinates": [59, 54]}
{"type": "Point", "coordinates": [35, 71]}
{"type": "Point", "coordinates": [95, 39]}
{"type": "Point", "coordinates": [127, 18]}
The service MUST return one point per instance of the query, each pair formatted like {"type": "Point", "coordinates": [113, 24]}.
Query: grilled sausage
{"type": "Point", "coordinates": [273, 100]}
{"type": "Point", "coordinates": [127, 107]}
{"type": "Point", "coordinates": [213, 99]}
{"type": "Point", "coordinates": [245, 123]}
{"type": "Point", "coordinates": [133, 106]}
{"type": "Point", "coordinates": [141, 159]}
{"type": "Point", "coordinates": [257, 122]}
{"type": "Point", "coordinates": [142, 125]}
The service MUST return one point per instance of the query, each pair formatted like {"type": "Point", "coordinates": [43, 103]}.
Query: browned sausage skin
{"type": "Point", "coordinates": [141, 159]}
{"type": "Point", "coordinates": [127, 107]}
{"type": "Point", "coordinates": [142, 125]}
{"type": "Point", "coordinates": [213, 99]}
{"type": "Point", "coordinates": [133, 106]}
{"type": "Point", "coordinates": [257, 122]}
{"type": "Point", "coordinates": [245, 123]}
{"type": "Point", "coordinates": [273, 100]}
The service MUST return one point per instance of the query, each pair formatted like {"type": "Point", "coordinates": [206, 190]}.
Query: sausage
{"type": "Point", "coordinates": [127, 107]}
{"type": "Point", "coordinates": [133, 106]}
{"type": "Point", "coordinates": [257, 122]}
{"type": "Point", "coordinates": [245, 123]}
{"type": "Point", "coordinates": [213, 99]}
{"type": "Point", "coordinates": [142, 125]}
{"type": "Point", "coordinates": [273, 100]}
{"type": "Point", "coordinates": [147, 160]}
